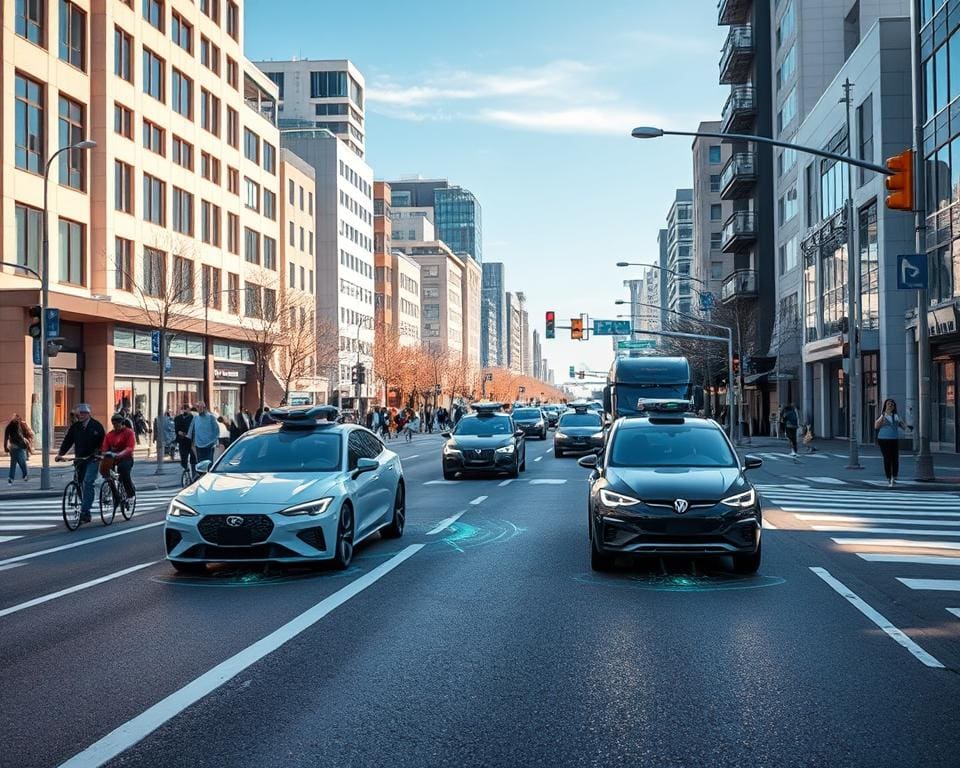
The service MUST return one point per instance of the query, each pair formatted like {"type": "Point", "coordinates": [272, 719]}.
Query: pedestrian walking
{"type": "Point", "coordinates": [181, 426]}
{"type": "Point", "coordinates": [888, 427]}
{"type": "Point", "coordinates": [790, 423]}
{"type": "Point", "coordinates": [412, 425]}
{"type": "Point", "coordinates": [140, 428]}
{"type": "Point", "coordinates": [18, 442]}
{"type": "Point", "coordinates": [238, 426]}
{"type": "Point", "coordinates": [224, 432]}
{"type": "Point", "coordinates": [204, 433]}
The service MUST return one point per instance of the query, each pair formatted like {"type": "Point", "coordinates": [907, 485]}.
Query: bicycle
{"type": "Point", "coordinates": [186, 477]}
{"type": "Point", "coordinates": [113, 495]}
{"type": "Point", "coordinates": [72, 494]}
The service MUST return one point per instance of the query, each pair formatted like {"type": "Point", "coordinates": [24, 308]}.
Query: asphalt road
{"type": "Point", "coordinates": [485, 642]}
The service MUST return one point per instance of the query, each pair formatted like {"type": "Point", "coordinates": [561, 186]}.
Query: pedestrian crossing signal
{"type": "Point", "coordinates": [576, 328]}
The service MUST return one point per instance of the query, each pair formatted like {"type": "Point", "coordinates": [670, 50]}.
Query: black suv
{"type": "Point", "coordinates": [486, 441]}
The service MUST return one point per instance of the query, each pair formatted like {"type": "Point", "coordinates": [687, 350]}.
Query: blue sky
{"type": "Point", "coordinates": [529, 104]}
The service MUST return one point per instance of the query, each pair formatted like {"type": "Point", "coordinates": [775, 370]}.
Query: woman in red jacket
{"type": "Point", "coordinates": [118, 445]}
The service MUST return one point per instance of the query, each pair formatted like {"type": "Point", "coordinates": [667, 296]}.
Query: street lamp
{"type": "Point", "coordinates": [853, 262]}
{"type": "Point", "coordinates": [46, 414]}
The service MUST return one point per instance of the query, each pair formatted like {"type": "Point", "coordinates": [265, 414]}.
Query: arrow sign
{"type": "Point", "coordinates": [912, 271]}
{"type": "Point", "coordinates": [53, 321]}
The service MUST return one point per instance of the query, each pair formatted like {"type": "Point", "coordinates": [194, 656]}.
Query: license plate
{"type": "Point", "coordinates": [233, 536]}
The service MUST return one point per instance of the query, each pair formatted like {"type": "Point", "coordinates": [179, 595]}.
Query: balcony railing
{"type": "Point", "coordinates": [733, 11]}
{"type": "Point", "coordinates": [740, 228]}
{"type": "Point", "coordinates": [738, 175]}
{"type": "Point", "coordinates": [739, 110]}
{"type": "Point", "coordinates": [737, 55]}
{"type": "Point", "coordinates": [742, 284]}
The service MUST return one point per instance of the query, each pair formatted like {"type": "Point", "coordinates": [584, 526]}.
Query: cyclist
{"type": "Point", "coordinates": [85, 436]}
{"type": "Point", "coordinates": [204, 431]}
{"type": "Point", "coordinates": [118, 445]}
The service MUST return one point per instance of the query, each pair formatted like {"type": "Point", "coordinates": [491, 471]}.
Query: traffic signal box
{"type": "Point", "coordinates": [576, 328]}
{"type": "Point", "coordinates": [551, 325]}
{"type": "Point", "coordinates": [36, 321]}
{"type": "Point", "coordinates": [900, 184]}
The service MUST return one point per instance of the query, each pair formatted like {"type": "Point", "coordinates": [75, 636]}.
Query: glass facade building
{"type": "Point", "coordinates": [494, 316]}
{"type": "Point", "coordinates": [459, 221]}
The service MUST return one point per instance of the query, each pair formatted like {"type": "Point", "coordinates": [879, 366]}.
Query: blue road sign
{"type": "Point", "coordinates": [611, 327]}
{"type": "Point", "coordinates": [37, 358]}
{"type": "Point", "coordinates": [707, 301]}
{"type": "Point", "coordinates": [53, 322]}
{"type": "Point", "coordinates": [155, 346]}
{"type": "Point", "coordinates": [912, 271]}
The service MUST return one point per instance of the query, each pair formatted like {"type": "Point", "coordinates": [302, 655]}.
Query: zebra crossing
{"type": "Point", "coordinates": [916, 534]}
{"type": "Point", "coordinates": [21, 517]}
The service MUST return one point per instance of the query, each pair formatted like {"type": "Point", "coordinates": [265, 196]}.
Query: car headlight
{"type": "Point", "coordinates": [317, 507]}
{"type": "Point", "coordinates": [559, 435]}
{"type": "Point", "coordinates": [506, 449]}
{"type": "Point", "coordinates": [741, 500]}
{"type": "Point", "coordinates": [611, 499]}
{"type": "Point", "coordinates": [179, 509]}
{"type": "Point", "coordinates": [448, 451]}
{"type": "Point", "coordinates": [595, 435]}
{"type": "Point", "coordinates": [540, 423]}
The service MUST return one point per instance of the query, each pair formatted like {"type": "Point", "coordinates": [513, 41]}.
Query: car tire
{"type": "Point", "coordinates": [448, 475]}
{"type": "Point", "coordinates": [557, 453]}
{"type": "Point", "coordinates": [515, 472]}
{"type": "Point", "coordinates": [395, 529]}
{"type": "Point", "coordinates": [748, 564]}
{"type": "Point", "coordinates": [343, 552]}
{"type": "Point", "coordinates": [191, 569]}
{"type": "Point", "coordinates": [544, 435]}
{"type": "Point", "coordinates": [599, 561]}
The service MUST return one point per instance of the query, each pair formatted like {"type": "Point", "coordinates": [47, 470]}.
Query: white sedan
{"type": "Point", "coordinates": [303, 490]}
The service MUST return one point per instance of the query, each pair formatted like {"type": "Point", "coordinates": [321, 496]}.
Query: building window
{"type": "Point", "coordinates": [209, 167]}
{"type": "Point", "coordinates": [787, 68]}
{"type": "Point", "coordinates": [209, 112]}
{"type": "Point", "coordinates": [865, 132]}
{"type": "Point", "coordinates": [869, 268]}
{"type": "Point", "coordinates": [73, 35]}
{"type": "Point", "coordinates": [788, 111]}
{"type": "Point", "coordinates": [122, 121]}
{"type": "Point", "coordinates": [209, 55]}
{"type": "Point", "coordinates": [211, 9]}
{"type": "Point", "coordinates": [715, 154]}
{"type": "Point", "coordinates": [122, 54]}
{"type": "Point", "coordinates": [251, 146]}
{"type": "Point", "coordinates": [716, 241]}
{"type": "Point", "coordinates": [716, 211]}
{"type": "Point", "coordinates": [210, 286]}
{"type": "Point", "coordinates": [154, 200]}
{"type": "Point", "coordinates": [154, 272]}
{"type": "Point", "coordinates": [29, 223]}
{"type": "Point", "coordinates": [251, 300]}
{"type": "Point", "coordinates": [181, 31]}
{"type": "Point", "coordinates": [29, 20]}
{"type": "Point", "coordinates": [233, 20]}
{"type": "Point", "coordinates": [325, 85]}
{"type": "Point", "coordinates": [73, 163]}
{"type": "Point", "coordinates": [210, 223]}
{"type": "Point", "coordinates": [233, 181]}
{"type": "Point", "coordinates": [715, 182]}
{"type": "Point", "coordinates": [153, 13]}
{"type": "Point", "coordinates": [154, 80]}
{"type": "Point", "coordinates": [252, 193]}
{"type": "Point", "coordinates": [154, 137]}
{"type": "Point", "coordinates": [182, 212]}
{"type": "Point", "coordinates": [123, 264]}
{"type": "Point", "coordinates": [269, 252]}
{"type": "Point", "coordinates": [301, 198]}
{"type": "Point", "coordinates": [293, 235]}
{"type": "Point", "coordinates": [251, 245]}
{"type": "Point", "coordinates": [789, 255]}
{"type": "Point", "coordinates": [269, 205]}
{"type": "Point", "coordinates": [72, 252]}
{"type": "Point", "coordinates": [786, 25]}
{"type": "Point", "coordinates": [122, 187]}
{"type": "Point", "coordinates": [788, 205]}
{"type": "Point", "coordinates": [182, 94]}
{"type": "Point", "coordinates": [833, 187]}
{"type": "Point", "coordinates": [233, 128]}
{"type": "Point", "coordinates": [233, 74]}
{"type": "Point", "coordinates": [786, 160]}
{"type": "Point", "coordinates": [269, 157]}
{"type": "Point", "coordinates": [182, 153]}
{"type": "Point", "coordinates": [233, 233]}
{"type": "Point", "coordinates": [30, 122]}
{"type": "Point", "coordinates": [182, 280]}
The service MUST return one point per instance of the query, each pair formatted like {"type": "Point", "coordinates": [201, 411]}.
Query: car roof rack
{"type": "Point", "coordinates": [306, 417]}
{"type": "Point", "coordinates": [651, 406]}
{"type": "Point", "coordinates": [487, 408]}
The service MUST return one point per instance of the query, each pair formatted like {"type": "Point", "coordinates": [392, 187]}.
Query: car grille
{"type": "Point", "coordinates": [475, 456]}
{"type": "Point", "coordinates": [257, 552]}
{"type": "Point", "coordinates": [255, 529]}
{"type": "Point", "coordinates": [313, 537]}
{"type": "Point", "coordinates": [681, 526]}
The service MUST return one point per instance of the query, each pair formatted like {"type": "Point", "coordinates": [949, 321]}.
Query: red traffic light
{"type": "Point", "coordinates": [551, 325]}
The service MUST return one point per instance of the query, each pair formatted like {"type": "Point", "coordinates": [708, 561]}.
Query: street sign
{"type": "Point", "coordinates": [912, 271]}
{"type": "Point", "coordinates": [155, 346]}
{"type": "Point", "coordinates": [611, 327]}
{"type": "Point", "coordinates": [641, 344]}
{"type": "Point", "coordinates": [707, 301]}
{"type": "Point", "coordinates": [37, 359]}
{"type": "Point", "coordinates": [53, 321]}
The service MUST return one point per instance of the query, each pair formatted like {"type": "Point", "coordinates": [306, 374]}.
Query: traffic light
{"type": "Point", "coordinates": [576, 328]}
{"type": "Point", "coordinates": [354, 374]}
{"type": "Point", "coordinates": [361, 374]}
{"type": "Point", "coordinates": [551, 325]}
{"type": "Point", "coordinates": [901, 183]}
{"type": "Point", "coordinates": [582, 374]}
{"type": "Point", "coordinates": [36, 321]}
{"type": "Point", "coordinates": [573, 372]}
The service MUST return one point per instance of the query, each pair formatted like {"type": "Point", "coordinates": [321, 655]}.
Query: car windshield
{"type": "Point", "coordinates": [671, 445]}
{"type": "Point", "coordinates": [579, 420]}
{"type": "Point", "coordinates": [286, 450]}
{"type": "Point", "coordinates": [486, 425]}
{"type": "Point", "coordinates": [526, 413]}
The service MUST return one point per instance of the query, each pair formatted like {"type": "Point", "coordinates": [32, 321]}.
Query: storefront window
{"type": "Point", "coordinates": [810, 301]}
{"type": "Point", "coordinates": [871, 393]}
{"type": "Point", "coordinates": [833, 282]}
{"type": "Point", "coordinates": [869, 269]}
{"type": "Point", "coordinates": [944, 386]}
{"type": "Point", "coordinates": [141, 395]}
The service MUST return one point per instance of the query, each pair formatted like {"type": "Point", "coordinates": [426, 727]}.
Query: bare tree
{"type": "Point", "coordinates": [260, 321]}
{"type": "Point", "coordinates": [295, 359]}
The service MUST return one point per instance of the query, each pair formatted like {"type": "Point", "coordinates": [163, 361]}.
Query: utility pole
{"type": "Point", "coordinates": [853, 302]}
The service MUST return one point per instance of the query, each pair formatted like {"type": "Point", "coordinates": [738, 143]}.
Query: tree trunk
{"type": "Point", "coordinates": [158, 431]}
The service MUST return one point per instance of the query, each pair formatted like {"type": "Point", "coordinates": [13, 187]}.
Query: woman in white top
{"type": "Point", "coordinates": [888, 427]}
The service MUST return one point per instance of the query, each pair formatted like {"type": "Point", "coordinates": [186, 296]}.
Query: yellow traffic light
{"type": "Point", "coordinates": [576, 328]}
{"type": "Point", "coordinates": [900, 183]}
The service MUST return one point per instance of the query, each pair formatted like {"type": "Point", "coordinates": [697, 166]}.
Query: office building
{"type": "Point", "coordinates": [412, 224]}
{"type": "Point", "coordinates": [711, 215]}
{"type": "Point", "coordinates": [492, 347]}
{"type": "Point", "coordinates": [514, 332]}
{"type": "Point", "coordinates": [175, 207]}
{"type": "Point", "coordinates": [680, 293]}
{"type": "Point", "coordinates": [457, 214]}
{"type": "Point", "coordinates": [535, 353]}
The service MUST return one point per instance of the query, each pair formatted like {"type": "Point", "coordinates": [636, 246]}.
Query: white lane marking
{"type": "Point", "coordinates": [768, 525]}
{"type": "Point", "coordinates": [888, 520]}
{"type": "Point", "coordinates": [770, 456]}
{"type": "Point", "coordinates": [826, 480]}
{"type": "Point", "coordinates": [942, 585]}
{"type": "Point", "coordinates": [76, 588]}
{"type": "Point", "coordinates": [11, 566]}
{"type": "Point", "coordinates": [548, 452]}
{"type": "Point", "coordinates": [441, 482]}
{"type": "Point", "coordinates": [538, 458]}
{"type": "Point", "coordinates": [876, 617]}
{"type": "Point", "coordinates": [94, 540]}
{"type": "Point", "coordinates": [9, 538]}
{"type": "Point", "coordinates": [479, 500]}
{"type": "Point", "coordinates": [884, 484]}
{"type": "Point", "coordinates": [912, 559]}
{"type": "Point", "coordinates": [135, 730]}
{"type": "Point", "coordinates": [547, 481]}
{"type": "Point", "coordinates": [26, 517]}
{"type": "Point", "coordinates": [824, 507]}
{"type": "Point", "coordinates": [505, 483]}
{"type": "Point", "coordinates": [899, 543]}
{"type": "Point", "coordinates": [411, 456]}
{"type": "Point", "coordinates": [444, 524]}
{"type": "Point", "coordinates": [955, 612]}
{"type": "Point", "coordinates": [24, 527]}
{"type": "Point", "coordinates": [908, 531]}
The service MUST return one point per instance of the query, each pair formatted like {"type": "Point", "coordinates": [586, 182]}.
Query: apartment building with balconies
{"type": "Point", "coordinates": [680, 292]}
{"type": "Point", "coordinates": [711, 214]}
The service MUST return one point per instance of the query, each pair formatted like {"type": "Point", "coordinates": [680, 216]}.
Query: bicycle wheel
{"type": "Point", "coordinates": [127, 505]}
{"type": "Point", "coordinates": [185, 478]}
{"type": "Point", "coordinates": [71, 506]}
{"type": "Point", "coordinates": [108, 502]}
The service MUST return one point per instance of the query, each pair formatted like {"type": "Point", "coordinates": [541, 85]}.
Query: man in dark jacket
{"type": "Point", "coordinates": [85, 436]}
{"type": "Point", "coordinates": [181, 425]}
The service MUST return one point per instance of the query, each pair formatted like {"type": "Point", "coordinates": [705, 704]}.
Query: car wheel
{"type": "Point", "coordinates": [557, 453]}
{"type": "Point", "coordinates": [344, 547]}
{"type": "Point", "coordinates": [193, 569]}
{"type": "Point", "coordinates": [515, 472]}
{"type": "Point", "coordinates": [544, 435]}
{"type": "Point", "coordinates": [747, 564]}
{"type": "Point", "coordinates": [523, 464]}
{"type": "Point", "coordinates": [599, 561]}
{"type": "Point", "coordinates": [448, 475]}
{"type": "Point", "coordinates": [395, 529]}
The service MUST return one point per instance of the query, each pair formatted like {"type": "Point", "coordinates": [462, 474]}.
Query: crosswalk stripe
{"type": "Point", "coordinates": [826, 480]}
{"type": "Point", "coordinates": [770, 456]}
{"type": "Point", "coordinates": [886, 511]}
{"type": "Point", "coordinates": [943, 585]}
{"type": "Point", "coordinates": [872, 557]}
{"type": "Point", "coordinates": [31, 518]}
{"type": "Point", "coordinates": [33, 527]}
{"type": "Point", "coordinates": [9, 538]}
{"type": "Point", "coordinates": [885, 484]}
{"type": "Point", "coordinates": [897, 543]}
{"type": "Point", "coordinates": [910, 531]}
{"type": "Point", "coordinates": [954, 611]}
{"type": "Point", "coordinates": [885, 520]}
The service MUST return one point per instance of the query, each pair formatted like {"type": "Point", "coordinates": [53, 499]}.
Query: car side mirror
{"type": "Point", "coordinates": [589, 462]}
{"type": "Point", "coordinates": [203, 467]}
{"type": "Point", "coordinates": [365, 465]}
{"type": "Point", "coordinates": [446, 435]}
{"type": "Point", "coordinates": [752, 462]}
{"type": "Point", "coordinates": [518, 433]}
